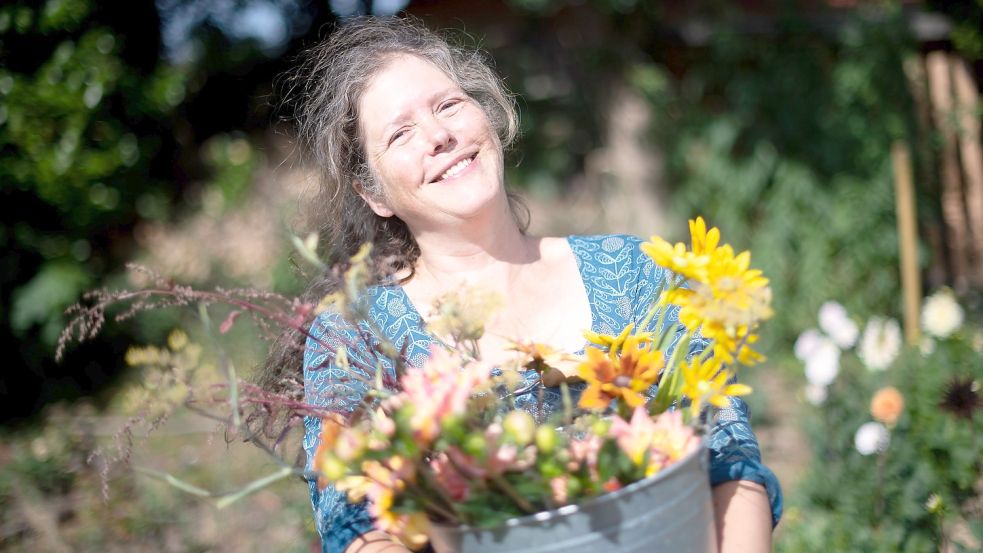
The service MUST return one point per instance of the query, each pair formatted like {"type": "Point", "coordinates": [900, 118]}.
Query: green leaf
{"type": "Point", "coordinates": [56, 286]}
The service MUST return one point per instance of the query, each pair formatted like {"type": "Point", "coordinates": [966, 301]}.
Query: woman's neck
{"type": "Point", "coordinates": [475, 254]}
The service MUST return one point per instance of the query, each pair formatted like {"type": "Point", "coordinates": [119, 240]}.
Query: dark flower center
{"type": "Point", "coordinates": [622, 381]}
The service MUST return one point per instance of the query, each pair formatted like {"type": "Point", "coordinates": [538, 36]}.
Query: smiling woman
{"type": "Point", "coordinates": [431, 145]}
{"type": "Point", "coordinates": [408, 133]}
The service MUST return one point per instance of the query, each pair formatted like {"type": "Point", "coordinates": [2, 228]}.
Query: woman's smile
{"type": "Point", "coordinates": [423, 133]}
{"type": "Point", "coordinates": [458, 169]}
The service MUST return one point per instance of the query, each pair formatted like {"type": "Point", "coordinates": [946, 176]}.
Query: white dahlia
{"type": "Point", "coordinates": [941, 314]}
{"type": "Point", "coordinates": [880, 343]}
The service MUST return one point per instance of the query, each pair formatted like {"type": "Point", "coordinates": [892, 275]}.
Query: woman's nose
{"type": "Point", "coordinates": [439, 136]}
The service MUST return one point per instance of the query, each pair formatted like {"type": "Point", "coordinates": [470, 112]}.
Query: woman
{"type": "Point", "coordinates": [409, 133]}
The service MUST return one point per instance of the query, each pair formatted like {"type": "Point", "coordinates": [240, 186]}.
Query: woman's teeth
{"type": "Point", "coordinates": [456, 168]}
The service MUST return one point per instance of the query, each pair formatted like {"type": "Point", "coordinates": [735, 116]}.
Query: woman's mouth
{"type": "Point", "coordinates": [456, 169]}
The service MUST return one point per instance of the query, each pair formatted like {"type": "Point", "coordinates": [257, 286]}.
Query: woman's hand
{"type": "Point", "coordinates": [743, 517]}
{"type": "Point", "coordinates": [375, 542]}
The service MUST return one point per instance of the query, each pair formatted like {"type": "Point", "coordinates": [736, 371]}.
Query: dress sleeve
{"type": "Point", "coordinates": [326, 385]}
{"type": "Point", "coordinates": [734, 450]}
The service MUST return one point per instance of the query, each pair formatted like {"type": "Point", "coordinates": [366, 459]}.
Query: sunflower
{"type": "Point", "coordinates": [626, 376]}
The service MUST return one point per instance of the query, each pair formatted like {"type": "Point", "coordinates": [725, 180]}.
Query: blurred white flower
{"type": "Point", "coordinates": [871, 437]}
{"type": "Point", "coordinates": [941, 314]}
{"type": "Point", "coordinates": [926, 346]}
{"type": "Point", "coordinates": [815, 394]}
{"type": "Point", "coordinates": [806, 342]}
{"type": "Point", "coordinates": [823, 363]}
{"type": "Point", "coordinates": [837, 325]}
{"type": "Point", "coordinates": [880, 343]}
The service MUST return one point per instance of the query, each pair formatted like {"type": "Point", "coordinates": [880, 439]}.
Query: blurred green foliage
{"type": "Point", "coordinates": [784, 142]}
{"type": "Point", "coordinates": [82, 101]}
{"type": "Point", "coordinates": [100, 134]}
{"type": "Point", "coordinates": [878, 503]}
{"type": "Point", "coordinates": [967, 20]}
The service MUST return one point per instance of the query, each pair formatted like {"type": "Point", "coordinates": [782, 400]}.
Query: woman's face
{"type": "Point", "coordinates": [430, 145]}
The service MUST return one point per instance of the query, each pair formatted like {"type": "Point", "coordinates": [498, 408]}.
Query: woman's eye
{"type": "Point", "coordinates": [398, 134]}
{"type": "Point", "coordinates": [449, 105]}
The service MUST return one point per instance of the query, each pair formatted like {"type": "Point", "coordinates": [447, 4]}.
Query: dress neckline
{"type": "Point", "coordinates": [412, 311]}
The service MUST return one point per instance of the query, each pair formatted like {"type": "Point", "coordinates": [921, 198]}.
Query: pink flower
{"type": "Point", "coordinates": [438, 391]}
{"type": "Point", "coordinates": [584, 452]}
{"type": "Point", "coordinates": [558, 485]}
{"type": "Point", "coordinates": [665, 440]}
{"type": "Point", "coordinates": [634, 438]}
{"type": "Point", "coordinates": [673, 438]}
{"type": "Point", "coordinates": [450, 478]}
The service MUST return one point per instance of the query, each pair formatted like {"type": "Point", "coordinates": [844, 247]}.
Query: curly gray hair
{"type": "Point", "coordinates": [326, 91]}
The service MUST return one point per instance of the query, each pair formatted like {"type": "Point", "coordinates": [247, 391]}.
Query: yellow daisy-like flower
{"type": "Point", "coordinates": [675, 257]}
{"type": "Point", "coordinates": [705, 382]}
{"type": "Point", "coordinates": [615, 343]}
{"type": "Point", "coordinates": [538, 356]}
{"type": "Point", "coordinates": [690, 263]}
{"type": "Point", "coordinates": [704, 241]}
{"type": "Point", "coordinates": [726, 304]}
{"type": "Point", "coordinates": [626, 376]}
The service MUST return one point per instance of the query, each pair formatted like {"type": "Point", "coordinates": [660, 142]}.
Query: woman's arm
{"type": "Point", "coordinates": [339, 522]}
{"type": "Point", "coordinates": [742, 513]}
{"type": "Point", "coordinates": [375, 542]}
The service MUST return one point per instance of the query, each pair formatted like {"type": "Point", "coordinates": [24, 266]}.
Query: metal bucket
{"type": "Point", "coordinates": [671, 512]}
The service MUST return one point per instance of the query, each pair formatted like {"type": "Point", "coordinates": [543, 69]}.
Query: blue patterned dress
{"type": "Point", "coordinates": [620, 281]}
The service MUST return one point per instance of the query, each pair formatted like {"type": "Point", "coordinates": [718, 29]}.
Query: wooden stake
{"type": "Point", "coordinates": [953, 208]}
{"type": "Point", "coordinates": [904, 194]}
{"type": "Point", "coordinates": [967, 100]}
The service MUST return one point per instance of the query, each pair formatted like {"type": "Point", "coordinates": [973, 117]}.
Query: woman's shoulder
{"type": "Point", "coordinates": [607, 248]}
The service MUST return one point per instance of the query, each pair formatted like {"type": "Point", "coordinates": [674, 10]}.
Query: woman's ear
{"type": "Point", "coordinates": [377, 205]}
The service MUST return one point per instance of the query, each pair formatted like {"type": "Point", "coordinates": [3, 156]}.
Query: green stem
{"type": "Point", "coordinates": [223, 360]}
{"type": "Point", "coordinates": [254, 486]}
{"type": "Point", "coordinates": [511, 492]}
{"type": "Point", "coordinates": [450, 513]}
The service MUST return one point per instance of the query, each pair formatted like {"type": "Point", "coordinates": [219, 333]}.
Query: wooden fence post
{"type": "Point", "coordinates": [904, 194]}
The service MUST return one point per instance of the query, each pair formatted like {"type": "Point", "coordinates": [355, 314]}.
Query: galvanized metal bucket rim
{"type": "Point", "coordinates": [566, 510]}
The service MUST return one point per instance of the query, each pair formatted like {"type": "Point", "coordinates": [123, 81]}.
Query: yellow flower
{"type": "Point", "coordinates": [626, 376]}
{"type": "Point", "coordinates": [614, 343]}
{"type": "Point", "coordinates": [177, 339]}
{"type": "Point", "coordinates": [704, 381]}
{"type": "Point", "coordinates": [726, 304]}
{"type": "Point", "coordinates": [704, 242]}
{"type": "Point", "coordinates": [691, 264]}
{"type": "Point", "coordinates": [537, 356]}
{"type": "Point", "coordinates": [675, 257]}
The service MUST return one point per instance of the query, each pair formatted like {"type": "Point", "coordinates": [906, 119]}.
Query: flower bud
{"type": "Point", "coordinates": [520, 427]}
{"type": "Point", "coordinates": [546, 438]}
{"type": "Point", "coordinates": [475, 445]}
{"type": "Point", "coordinates": [332, 468]}
{"type": "Point", "coordinates": [600, 427]}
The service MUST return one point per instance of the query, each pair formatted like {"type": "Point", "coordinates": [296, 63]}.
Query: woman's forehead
{"type": "Point", "coordinates": [404, 83]}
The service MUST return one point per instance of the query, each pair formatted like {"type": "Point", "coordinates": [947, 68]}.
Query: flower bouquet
{"type": "Point", "coordinates": [444, 455]}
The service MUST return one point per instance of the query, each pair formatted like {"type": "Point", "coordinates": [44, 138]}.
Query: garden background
{"type": "Point", "coordinates": [151, 132]}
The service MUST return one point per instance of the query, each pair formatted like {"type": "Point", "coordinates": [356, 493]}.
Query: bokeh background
{"type": "Point", "coordinates": [153, 132]}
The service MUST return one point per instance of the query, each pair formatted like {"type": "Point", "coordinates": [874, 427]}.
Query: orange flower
{"type": "Point", "coordinates": [537, 356]}
{"type": "Point", "coordinates": [626, 376]}
{"type": "Point", "coordinates": [886, 405]}
{"type": "Point", "coordinates": [325, 461]}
